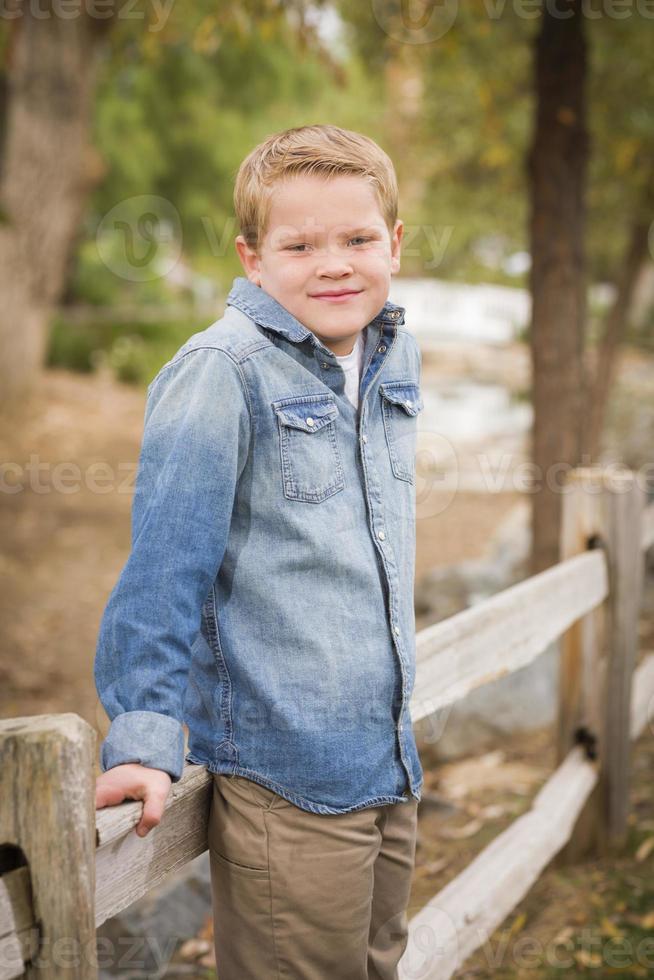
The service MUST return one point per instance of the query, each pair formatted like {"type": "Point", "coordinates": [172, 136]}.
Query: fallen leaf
{"type": "Point", "coordinates": [431, 867]}
{"type": "Point", "coordinates": [562, 937]}
{"type": "Point", "coordinates": [493, 811]}
{"type": "Point", "coordinates": [645, 849]}
{"type": "Point", "coordinates": [460, 833]}
{"type": "Point", "coordinates": [517, 924]}
{"type": "Point", "coordinates": [193, 948]}
{"type": "Point", "coordinates": [609, 928]}
{"type": "Point", "coordinates": [584, 958]}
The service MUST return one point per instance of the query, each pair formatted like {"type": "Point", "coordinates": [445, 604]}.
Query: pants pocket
{"type": "Point", "coordinates": [235, 867]}
{"type": "Point", "coordinates": [237, 834]}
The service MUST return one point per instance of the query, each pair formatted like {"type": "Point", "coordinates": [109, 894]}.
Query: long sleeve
{"type": "Point", "coordinates": [194, 448]}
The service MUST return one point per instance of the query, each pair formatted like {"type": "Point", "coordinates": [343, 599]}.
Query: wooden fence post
{"type": "Point", "coordinates": [47, 810]}
{"type": "Point", "coordinates": [602, 508]}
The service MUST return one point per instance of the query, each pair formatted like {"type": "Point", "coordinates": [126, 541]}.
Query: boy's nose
{"type": "Point", "coordinates": [334, 267]}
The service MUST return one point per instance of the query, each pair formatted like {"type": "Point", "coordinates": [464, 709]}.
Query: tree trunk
{"type": "Point", "coordinates": [556, 166]}
{"type": "Point", "coordinates": [613, 335]}
{"type": "Point", "coordinates": [46, 172]}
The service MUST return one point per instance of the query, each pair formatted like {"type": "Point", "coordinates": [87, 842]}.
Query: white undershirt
{"type": "Point", "coordinates": [352, 364]}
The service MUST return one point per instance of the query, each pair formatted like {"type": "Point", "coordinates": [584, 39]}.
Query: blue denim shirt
{"type": "Point", "coordinates": [267, 601]}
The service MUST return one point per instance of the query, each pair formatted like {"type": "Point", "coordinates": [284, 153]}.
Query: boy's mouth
{"type": "Point", "coordinates": [336, 295]}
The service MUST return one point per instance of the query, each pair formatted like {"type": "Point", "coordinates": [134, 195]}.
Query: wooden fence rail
{"type": "Point", "coordinates": [65, 869]}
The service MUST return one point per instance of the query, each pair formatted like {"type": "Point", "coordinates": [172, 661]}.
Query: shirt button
{"type": "Point", "coordinates": [309, 421]}
{"type": "Point", "coordinates": [364, 437]}
{"type": "Point", "coordinates": [325, 364]}
{"type": "Point", "coordinates": [396, 630]}
{"type": "Point", "coordinates": [408, 403]}
{"type": "Point", "coordinates": [381, 349]}
{"type": "Point", "coordinates": [381, 535]}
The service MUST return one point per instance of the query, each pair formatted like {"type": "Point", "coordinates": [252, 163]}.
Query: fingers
{"type": "Point", "coordinates": [153, 808]}
{"type": "Point", "coordinates": [135, 782]}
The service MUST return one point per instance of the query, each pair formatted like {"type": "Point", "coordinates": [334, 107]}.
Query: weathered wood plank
{"type": "Point", "coordinates": [642, 696]}
{"type": "Point", "coordinates": [583, 654]}
{"type": "Point", "coordinates": [647, 527]}
{"type": "Point", "coordinates": [624, 505]}
{"type": "Point", "coordinates": [463, 916]}
{"type": "Point", "coordinates": [503, 633]}
{"type": "Point", "coordinates": [11, 958]}
{"type": "Point", "coordinates": [127, 866]}
{"type": "Point", "coordinates": [46, 785]}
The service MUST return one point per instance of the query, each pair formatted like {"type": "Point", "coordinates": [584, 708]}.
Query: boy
{"type": "Point", "coordinates": [268, 598]}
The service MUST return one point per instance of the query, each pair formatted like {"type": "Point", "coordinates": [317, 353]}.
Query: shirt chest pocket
{"type": "Point", "coordinates": [311, 464]}
{"type": "Point", "coordinates": [401, 402]}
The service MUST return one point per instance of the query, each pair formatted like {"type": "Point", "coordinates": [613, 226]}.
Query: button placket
{"type": "Point", "coordinates": [375, 502]}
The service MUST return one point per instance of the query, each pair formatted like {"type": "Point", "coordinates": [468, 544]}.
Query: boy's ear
{"type": "Point", "coordinates": [249, 260]}
{"type": "Point", "coordinates": [396, 246]}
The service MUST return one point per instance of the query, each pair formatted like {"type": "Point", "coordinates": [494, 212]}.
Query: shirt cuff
{"type": "Point", "coordinates": [153, 739]}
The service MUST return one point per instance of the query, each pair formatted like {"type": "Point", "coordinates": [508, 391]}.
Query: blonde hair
{"type": "Point", "coordinates": [318, 149]}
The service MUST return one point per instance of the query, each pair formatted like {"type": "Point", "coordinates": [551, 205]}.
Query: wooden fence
{"type": "Point", "coordinates": [65, 869]}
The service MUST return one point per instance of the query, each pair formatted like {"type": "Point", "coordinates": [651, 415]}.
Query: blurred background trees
{"type": "Point", "coordinates": [122, 131]}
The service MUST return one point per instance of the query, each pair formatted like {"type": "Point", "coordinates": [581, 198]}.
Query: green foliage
{"type": "Point", "coordinates": [178, 110]}
{"type": "Point", "coordinates": [91, 281]}
{"type": "Point", "coordinates": [134, 351]}
{"type": "Point", "coordinates": [180, 103]}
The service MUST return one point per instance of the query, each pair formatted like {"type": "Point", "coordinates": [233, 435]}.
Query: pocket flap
{"type": "Point", "coordinates": [406, 394]}
{"type": "Point", "coordinates": [308, 414]}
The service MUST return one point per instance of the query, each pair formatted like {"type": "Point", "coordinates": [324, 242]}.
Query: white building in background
{"type": "Point", "coordinates": [440, 312]}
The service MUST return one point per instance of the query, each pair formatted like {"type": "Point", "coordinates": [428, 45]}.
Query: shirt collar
{"type": "Point", "coordinates": [268, 312]}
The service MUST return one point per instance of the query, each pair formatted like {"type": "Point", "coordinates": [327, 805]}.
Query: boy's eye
{"type": "Point", "coordinates": [303, 245]}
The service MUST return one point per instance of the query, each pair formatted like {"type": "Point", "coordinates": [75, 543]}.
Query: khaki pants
{"type": "Point", "coordinates": [307, 896]}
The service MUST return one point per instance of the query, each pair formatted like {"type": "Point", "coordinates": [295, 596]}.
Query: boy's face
{"type": "Point", "coordinates": [326, 236]}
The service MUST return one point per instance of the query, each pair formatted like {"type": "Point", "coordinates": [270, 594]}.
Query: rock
{"type": "Point", "coordinates": [522, 701]}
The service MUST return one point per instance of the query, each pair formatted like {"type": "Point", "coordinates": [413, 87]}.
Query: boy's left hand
{"type": "Point", "coordinates": [132, 781]}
